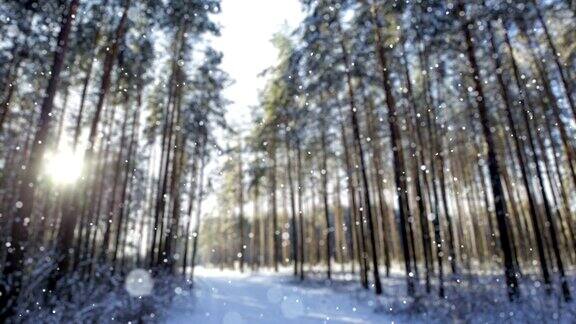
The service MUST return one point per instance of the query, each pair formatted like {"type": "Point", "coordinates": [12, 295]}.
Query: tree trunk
{"type": "Point", "coordinates": [521, 159]}
{"type": "Point", "coordinates": [19, 232]}
{"type": "Point", "coordinates": [550, 224]}
{"type": "Point", "coordinates": [556, 55]}
{"type": "Point", "coordinates": [275, 231]}
{"type": "Point", "coordinates": [88, 75]}
{"type": "Point", "coordinates": [300, 207]}
{"type": "Point", "coordinates": [242, 247]}
{"type": "Point", "coordinates": [493, 164]}
{"type": "Point", "coordinates": [128, 172]}
{"type": "Point", "coordinates": [366, 207]}
{"type": "Point", "coordinates": [358, 225]}
{"type": "Point", "coordinates": [196, 233]}
{"type": "Point", "coordinates": [377, 164]}
{"type": "Point", "coordinates": [324, 176]}
{"type": "Point", "coordinates": [112, 206]}
{"type": "Point", "coordinates": [397, 152]}
{"type": "Point", "coordinates": [418, 154]}
{"type": "Point", "coordinates": [191, 199]}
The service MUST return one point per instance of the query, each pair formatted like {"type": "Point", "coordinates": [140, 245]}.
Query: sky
{"type": "Point", "coordinates": [247, 26]}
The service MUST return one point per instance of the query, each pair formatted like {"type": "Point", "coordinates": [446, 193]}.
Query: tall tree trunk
{"type": "Point", "coordinates": [242, 247]}
{"type": "Point", "coordinates": [553, 102]}
{"type": "Point", "coordinates": [493, 164]}
{"type": "Point", "coordinates": [436, 214]}
{"type": "Point", "coordinates": [98, 193]}
{"type": "Point", "coordinates": [14, 264]}
{"type": "Point", "coordinates": [357, 224]}
{"type": "Point", "coordinates": [300, 207]}
{"type": "Point", "coordinates": [69, 217]}
{"type": "Point", "coordinates": [113, 204]}
{"type": "Point", "coordinates": [439, 152]}
{"type": "Point", "coordinates": [198, 208]}
{"type": "Point", "coordinates": [397, 151]}
{"type": "Point", "coordinates": [521, 158]}
{"type": "Point", "coordinates": [377, 164]}
{"type": "Point", "coordinates": [275, 231]}
{"type": "Point", "coordinates": [366, 206]}
{"type": "Point", "coordinates": [433, 192]}
{"type": "Point", "coordinates": [561, 188]}
{"type": "Point", "coordinates": [550, 224]}
{"type": "Point", "coordinates": [418, 153]}
{"type": "Point", "coordinates": [166, 149]}
{"type": "Point", "coordinates": [87, 76]}
{"type": "Point", "coordinates": [451, 239]}
{"type": "Point", "coordinates": [263, 257]}
{"type": "Point", "coordinates": [172, 223]}
{"type": "Point", "coordinates": [128, 173]}
{"type": "Point", "coordinates": [191, 199]}
{"type": "Point", "coordinates": [556, 55]}
{"type": "Point", "coordinates": [328, 232]}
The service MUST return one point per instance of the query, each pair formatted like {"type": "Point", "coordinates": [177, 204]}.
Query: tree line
{"type": "Point", "coordinates": [433, 134]}
{"type": "Point", "coordinates": [132, 90]}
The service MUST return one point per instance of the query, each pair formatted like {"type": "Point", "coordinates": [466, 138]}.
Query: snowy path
{"type": "Point", "coordinates": [232, 298]}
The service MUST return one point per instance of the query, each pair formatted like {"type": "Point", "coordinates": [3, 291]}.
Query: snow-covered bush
{"type": "Point", "coordinates": [138, 296]}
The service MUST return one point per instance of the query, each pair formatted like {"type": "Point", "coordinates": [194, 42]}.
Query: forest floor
{"type": "Point", "coordinates": [229, 297]}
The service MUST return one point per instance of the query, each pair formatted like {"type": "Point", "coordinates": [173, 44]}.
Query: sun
{"type": "Point", "coordinates": [63, 166]}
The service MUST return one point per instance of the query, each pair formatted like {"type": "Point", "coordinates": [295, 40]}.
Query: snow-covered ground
{"type": "Point", "coordinates": [232, 298]}
{"type": "Point", "coordinates": [228, 297]}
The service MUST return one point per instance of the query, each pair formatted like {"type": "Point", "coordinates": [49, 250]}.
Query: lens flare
{"type": "Point", "coordinates": [63, 166]}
